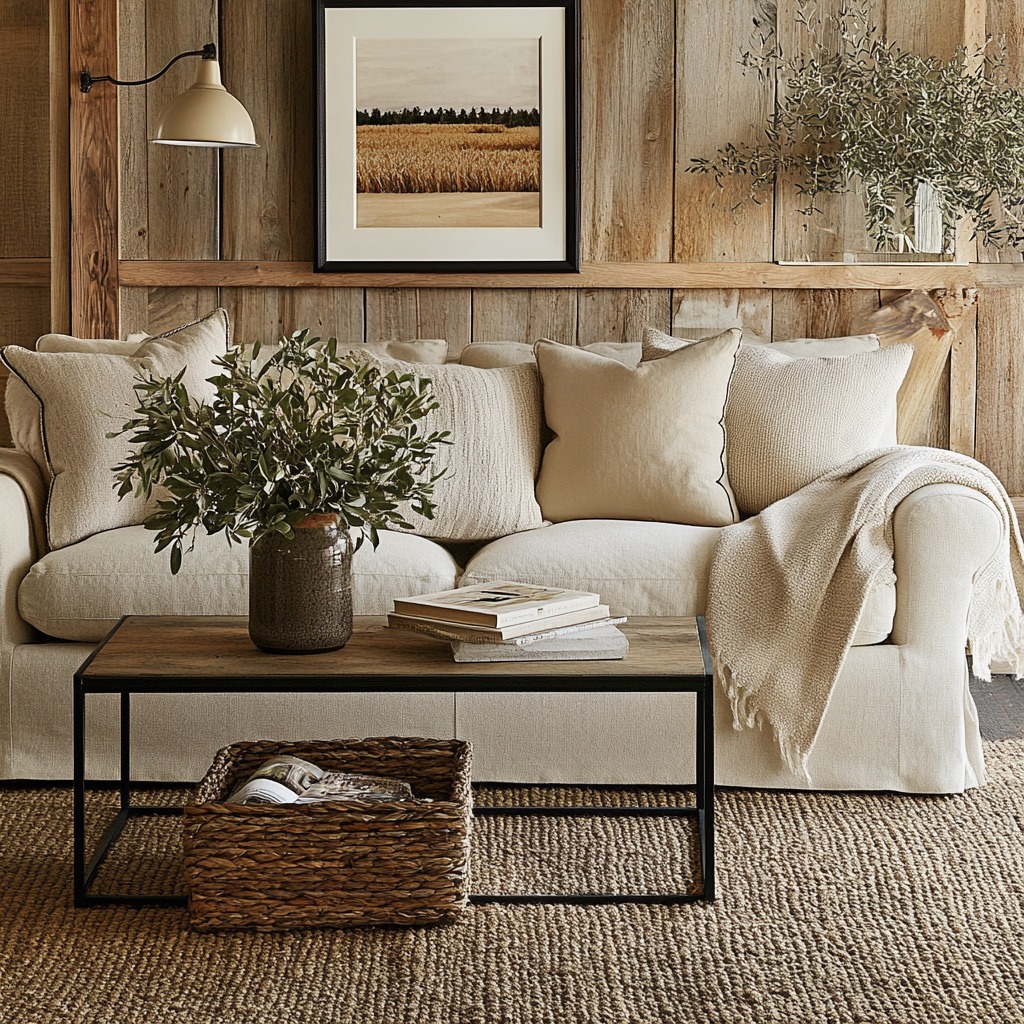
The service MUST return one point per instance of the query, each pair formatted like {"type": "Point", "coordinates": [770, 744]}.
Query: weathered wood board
{"type": "Point", "coordinates": [611, 314]}
{"type": "Point", "coordinates": [398, 314]}
{"type": "Point", "coordinates": [24, 152]}
{"type": "Point", "coordinates": [628, 94]}
{"type": "Point", "coordinates": [716, 103]}
{"type": "Point", "coordinates": [265, 314]}
{"type": "Point", "coordinates": [268, 193]}
{"type": "Point", "coordinates": [999, 441]}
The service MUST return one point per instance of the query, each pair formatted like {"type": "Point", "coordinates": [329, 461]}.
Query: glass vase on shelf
{"type": "Point", "coordinates": [913, 229]}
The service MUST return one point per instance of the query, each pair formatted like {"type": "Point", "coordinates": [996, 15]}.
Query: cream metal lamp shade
{"type": "Point", "coordinates": [205, 114]}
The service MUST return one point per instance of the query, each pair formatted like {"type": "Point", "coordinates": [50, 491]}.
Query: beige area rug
{"type": "Point", "coordinates": [831, 908]}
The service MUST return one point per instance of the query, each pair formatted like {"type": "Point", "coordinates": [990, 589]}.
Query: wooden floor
{"type": "Point", "coordinates": [1000, 707]}
{"type": "Point", "coordinates": [1001, 702]}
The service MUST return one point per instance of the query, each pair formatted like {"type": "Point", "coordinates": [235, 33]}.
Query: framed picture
{"type": "Point", "coordinates": [447, 137]}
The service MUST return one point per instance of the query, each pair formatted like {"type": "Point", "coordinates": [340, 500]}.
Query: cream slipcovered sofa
{"type": "Point", "coordinates": [901, 716]}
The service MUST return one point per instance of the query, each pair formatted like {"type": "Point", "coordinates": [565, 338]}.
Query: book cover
{"type": "Point", "coordinates": [496, 634]}
{"type": "Point", "coordinates": [605, 643]}
{"type": "Point", "coordinates": [442, 631]}
{"type": "Point", "coordinates": [503, 603]}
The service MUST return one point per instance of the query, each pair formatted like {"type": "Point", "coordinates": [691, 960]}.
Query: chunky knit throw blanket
{"type": "Point", "coordinates": [787, 588]}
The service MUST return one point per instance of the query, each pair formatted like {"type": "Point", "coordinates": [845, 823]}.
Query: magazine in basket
{"type": "Point", "coordinates": [292, 780]}
{"type": "Point", "coordinates": [504, 603]}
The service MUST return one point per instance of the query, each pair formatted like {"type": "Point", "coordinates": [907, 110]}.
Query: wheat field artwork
{"type": "Point", "coordinates": [448, 133]}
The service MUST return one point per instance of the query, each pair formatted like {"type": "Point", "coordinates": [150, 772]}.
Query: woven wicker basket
{"type": "Point", "coordinates": [332, 864]}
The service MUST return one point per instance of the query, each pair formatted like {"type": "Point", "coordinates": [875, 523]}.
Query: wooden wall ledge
{"type": "Point", "coordinates": [34, 273]}
{"type": "Point", "coordinates": [269, 274]}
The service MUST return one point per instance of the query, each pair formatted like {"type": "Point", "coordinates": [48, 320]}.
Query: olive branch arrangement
{"type": "Point", "coordinates": [307, 430]}
{"type": "Point", "coordinates": [864, 113]}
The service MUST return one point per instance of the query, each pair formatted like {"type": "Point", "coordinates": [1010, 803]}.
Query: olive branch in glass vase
{"type": "Point", "coordinates": [307, 431]}
{"type": "Point", "coordinates": [864, 114]}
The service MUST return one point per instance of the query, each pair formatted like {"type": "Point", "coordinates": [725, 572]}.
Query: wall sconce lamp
{"type": "Point", "coordinates": [205, 114]}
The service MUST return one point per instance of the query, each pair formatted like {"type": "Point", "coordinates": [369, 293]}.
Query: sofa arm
{"type": "Point", "coordinates": [22, 537]}
{"type": "Point", "coordinates": [942, 535]}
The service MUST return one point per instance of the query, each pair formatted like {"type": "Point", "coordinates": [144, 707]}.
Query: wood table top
{"type": "Point", "coordinates": [218, 648]}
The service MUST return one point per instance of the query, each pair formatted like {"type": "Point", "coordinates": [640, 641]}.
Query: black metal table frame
{"type": "Point", "coordinates": [702, 809]}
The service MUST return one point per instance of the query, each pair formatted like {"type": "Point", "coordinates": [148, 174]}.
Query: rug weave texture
{"type": "Point", "coordinates": [831, 908]}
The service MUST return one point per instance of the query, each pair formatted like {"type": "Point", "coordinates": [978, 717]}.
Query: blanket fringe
{"type": "Point", "coordinates": [746, 716]}
{"type": "Point", "coordinates": [1002, 638]}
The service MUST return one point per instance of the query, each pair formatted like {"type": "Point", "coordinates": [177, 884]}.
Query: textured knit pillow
{"type": "Point", "coordinates": [791, 421]}
{"type": "Point", "coordinates": [644, 443]}
{"type": "Point", "coordinates": [657, 344]}
{"type": "Point", "coordinates": [788, 425]}
{"type": "Point", "coordinates": [86, 395]}
{"type": "Point", "coordinates": [494, 417]}
{"type": "Point", "coordinates": [815, 348]}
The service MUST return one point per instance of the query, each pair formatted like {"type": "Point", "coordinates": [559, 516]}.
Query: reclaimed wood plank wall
{"type": "Point", "coordinates": [660, 85]}
{"type": "Point", "coordinates": [24, 178]}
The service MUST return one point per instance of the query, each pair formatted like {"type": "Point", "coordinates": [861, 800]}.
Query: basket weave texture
{"type": "Point", "coordinates": [336, 864]}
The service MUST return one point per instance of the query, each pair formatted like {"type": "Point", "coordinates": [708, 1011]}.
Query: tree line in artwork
{"type": "Point", "coordinates": [509, 118]}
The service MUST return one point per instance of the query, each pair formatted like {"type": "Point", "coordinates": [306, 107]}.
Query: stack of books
{"type": "Point", "coordinates": [510, 621]}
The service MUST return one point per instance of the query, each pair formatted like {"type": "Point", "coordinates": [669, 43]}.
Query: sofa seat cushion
{"type": "Point", "coordinates": [638, 568]}
{"type": "Point", "coordinates": [79, 592]}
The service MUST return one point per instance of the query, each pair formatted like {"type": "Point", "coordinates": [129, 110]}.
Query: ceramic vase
{"type": "Point", "coordinates": [300, 589]}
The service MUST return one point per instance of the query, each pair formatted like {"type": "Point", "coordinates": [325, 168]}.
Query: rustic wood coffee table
{"type": "Point", "coordinates": [213, 654]}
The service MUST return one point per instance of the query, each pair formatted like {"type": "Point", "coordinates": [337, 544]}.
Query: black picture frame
{"type": "Point", "coordinates": [345, 245]}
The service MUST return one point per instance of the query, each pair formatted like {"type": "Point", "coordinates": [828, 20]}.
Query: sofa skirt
{"type": "Point", "coordinates": [877, 734]}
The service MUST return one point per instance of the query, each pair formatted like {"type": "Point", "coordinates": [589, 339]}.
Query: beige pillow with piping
{"type": "Point", "coordinates": [645, 443]}
{"type": "Point", "coordinates": [494, 416]}
{"type": "Point", "coordinates": [791, 421]}
{"type": "Point", "coordinates": [86, 395]}
{"type": "Point", "coordinates": [23, 408]}
{"type": "Point", "coordinates": [103, 346]}
{"type": "Point", "coordinates": [22, 411]}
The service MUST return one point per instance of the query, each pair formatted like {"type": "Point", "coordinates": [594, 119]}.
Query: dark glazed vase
{"type": "Point", "coordinates": [300, 590]}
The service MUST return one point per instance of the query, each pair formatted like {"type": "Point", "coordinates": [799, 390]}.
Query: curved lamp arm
{"type": "Point", "coordinates": [86, 81]}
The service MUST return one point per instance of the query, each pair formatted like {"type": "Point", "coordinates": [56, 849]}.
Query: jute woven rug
{"type": "Point", "coordinates": [831, 908]}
